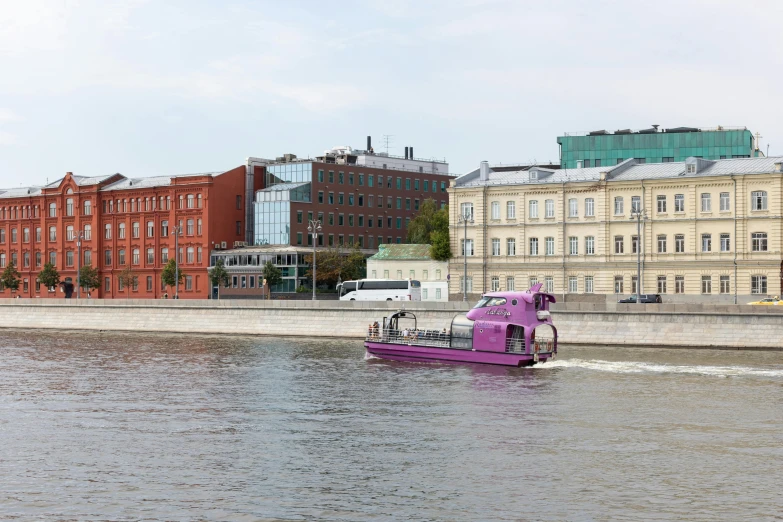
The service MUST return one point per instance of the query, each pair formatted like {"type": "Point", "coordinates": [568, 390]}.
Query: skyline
{"type": "Point", "coordinates": [146, 88]}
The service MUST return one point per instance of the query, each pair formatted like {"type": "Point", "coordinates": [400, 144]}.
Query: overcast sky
{"type": "Point", "coordinates": [145, 87]}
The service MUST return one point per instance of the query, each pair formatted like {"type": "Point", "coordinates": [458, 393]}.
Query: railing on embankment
{"type": "Point", "coordinates": [667, 325]}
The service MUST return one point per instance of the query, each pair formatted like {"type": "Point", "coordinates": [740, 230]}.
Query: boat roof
{"type": "Point", "coordinates": [526, 296]}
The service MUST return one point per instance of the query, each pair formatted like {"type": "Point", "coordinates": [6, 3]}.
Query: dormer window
{"type": "Point", "coordinates": [690, 168]}
{"type": "Point", "coordinates": [533, 175]}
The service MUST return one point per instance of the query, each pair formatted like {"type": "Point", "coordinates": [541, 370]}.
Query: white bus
{"type": "Point", "coordinates": [380, 290]}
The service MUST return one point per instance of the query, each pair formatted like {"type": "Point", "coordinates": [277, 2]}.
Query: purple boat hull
{"type": "Point", "coordinates": [402, 352]}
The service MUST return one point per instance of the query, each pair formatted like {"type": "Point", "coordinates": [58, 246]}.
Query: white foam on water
{"type": "Point", "coordinates": [643, 367]}
{"type": "Point", "coordinates": [368, 356]}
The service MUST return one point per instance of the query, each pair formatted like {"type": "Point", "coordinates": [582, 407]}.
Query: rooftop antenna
{"type": "Point", "coordinates": [388, 139]}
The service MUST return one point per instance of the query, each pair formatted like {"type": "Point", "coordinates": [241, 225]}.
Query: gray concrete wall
{"type": "Point", "coordinates": [673, 325]}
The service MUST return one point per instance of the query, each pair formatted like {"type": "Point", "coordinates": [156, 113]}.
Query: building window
{"type": "Point", "coordinates": [188, 282]}
{"type": "Point", "coordinates": [706, 242]}
{"type": "Point", "coordinates": [634, 284]}
{"type": "Point", "coordinates": [37, 235]}
{"type": "Point", "coordinates": [573, 246]}
{"type": "Point", "coordinates": [107, 258]}
{"type": "Point", "coordinates": [53, 234]}
{"type": "Point", "coordinates": [533, 209]}
{"type": "Point", "coordinates": [618, 244]}
{"type": "Point", "coordinates": [467, 247]}
{"type": "Point", "coordinates": [636, 204]}
{"type": "Point", "coordinates": [706, 284]}
{"type": "Point", "coordinates": [679, 284]}
{"type": "Point", "coordinates": [52, 209]}
{"type": "Point", "coordinates": [533, 246]}
{"type": "Point", "coordinates": [239, 228]}
{"type": "Point", "coordinates": [466, 210]}
{"type": "Point", "coordinates": [573, 286]}
{"type": "Point", "coordinates": [38, 259]}
{"type": "Point", "coordinates": [87, 208]}
{"type": "Point", "coordinates": [149, 282]}
{"type": "Point", "coordinates": [725, 202]}
{"type": "Point", "coordinates": [510, 284]}
{"type": "Point", "coordinates": [135, 229]}
{"type": "Point", "coordinates": [424, 294]}
{"type": "Point", "coordinates": [466, 282]}
{"type": "Point", "coordinates": [238, 202]}
{"type": "Point", "coordinates": [189, 229]}
{"type": "Point", "coordinates": [164, 228]}
{"type": "Point", "coordinates": [198, 227]}
{"type": "Point", "coordinates": [495, 210]}
{"type": "Point", "coordinates": [758, 284]}
{"type": "Point", "coordinates": [495, 284]}
{"type": "Point", "coordinates": [164, 255]}
{"type": "Point", "coordinates": [53, 258]}
{"type": "Point", "coordinates": [150, 228]}
{"type": "Point", "coordinates": [549, 208]}
{"type": "Point", "coordinates": [725, 243]}
{"type": "Point", "coordinates": [758, 242]}
{"type": "Point", "coordinates": [549, 284]}
{"type": "Point", "coordinates": [511, 210]}
{"type": "Point", "coordinates": [69, 258]}
{"type": "Point", "coordinates": [662, 244]}
{"type": "Point", "coordinates": [758, 200]}
{"type": "Point", "coordinates": [150, 256]}
{"type": "Point", "coordinates": [88, 232]}
{"type": "Point", "coordinates": [121, 257]}
{"type": "Point", "coordinates": [590, 245]}
{"type": "Point", "coordinates": [298, 238]}
{"type": "Point", "coordinates": [725, 284]}
{"type": "Point", "coordinates": [618, 284]}
{"type": "Point", "coordinates": [511, 247]}
{"type": "Point", "coordinates": [661, 204]}
{"type": "Point", "coordinates": [573, 207]}
{"type": "Point", "coordinates": [635, 244]}
{"type": "Point", "coordinates": [662, 284]}
{"type": "Point", "coordinates": [618, 206]}
{"type": "Point", "coordinates": [549, 245]}
{"type": "Point", "coordinates": [706, 202]}
{"type": "Point", "coordinates": [588, 284]}
{"type": "Point", "coordinates": [679, 202]}
{"type": "Point", "coordinates": [589, 207]}
{"type": "Point", "coordinates": [495, 247]}
{"type": "Point", "coordinates": [679, 243]}
{"type": "Point", "coordinates": [136, 256]}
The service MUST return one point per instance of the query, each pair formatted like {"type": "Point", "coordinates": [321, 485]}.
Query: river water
{"type": "Point", "coordinates": [132, 426]}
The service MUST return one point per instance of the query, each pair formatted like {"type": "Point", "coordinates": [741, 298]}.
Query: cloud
{"type": "Point", "coordinates": [7, 139]}
{"type": "Point", "coordinates": [7, 115]}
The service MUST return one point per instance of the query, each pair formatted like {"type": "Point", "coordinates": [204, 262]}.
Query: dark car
{"type": "Point", "coordinates": [644, 298]}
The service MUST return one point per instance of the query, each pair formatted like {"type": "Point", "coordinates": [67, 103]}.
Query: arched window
{"type": "Point", "coordinates": [88, 232]}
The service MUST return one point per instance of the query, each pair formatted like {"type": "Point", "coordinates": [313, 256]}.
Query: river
{"type": "Point", "coordinates": [99, 426]}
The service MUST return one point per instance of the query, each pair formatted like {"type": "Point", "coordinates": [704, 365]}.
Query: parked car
{"type": "Point", "coordinates": [768, 301]}
{"type": "Point", "coordinates": [644, 298]}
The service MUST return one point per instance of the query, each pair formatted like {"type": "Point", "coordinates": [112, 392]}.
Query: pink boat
{"type": "Point", "coordinates": [505, 328]}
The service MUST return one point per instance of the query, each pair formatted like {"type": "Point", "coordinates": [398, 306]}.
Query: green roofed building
{"type": "Point", "coordinates": [410, 261]}
{"type": "Point", "coordinates": [603, 148]}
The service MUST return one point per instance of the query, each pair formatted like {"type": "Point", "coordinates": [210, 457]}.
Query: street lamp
{"type": "Point", "coordinates": [638, 214]}
{"type": "Point", "coordinates": [79, 238]}
{"type": "Point", "coordinates": [464, 219]}
{"type": "Point", "coordinates": [176, 231]}
{"type": "Point", "coordinates": [313, 228]}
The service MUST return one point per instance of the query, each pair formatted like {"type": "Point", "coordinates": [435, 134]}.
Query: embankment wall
{"type": "Point", "coordinates": [672, 325]}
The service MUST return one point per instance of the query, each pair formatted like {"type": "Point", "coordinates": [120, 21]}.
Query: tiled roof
{"type": "Point", "coordinates": [407, 252]}
{"type": "Point", "coordinates": [625, 171]}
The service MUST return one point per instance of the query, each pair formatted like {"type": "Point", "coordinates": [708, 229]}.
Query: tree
{"type": "Point", "coordinates": [420, 227]}
{"type": "Point", "coordinates": [440, 249]}
{"type": "Point", "coordinates": [218, 275]}
{"type": "Point", "coordinates": [167, 275]}
{"type": "Point", "coordinates": [49, 276]}
{"type": "Point", "coordinates": [354, 265]}
{"type": "Point", "coordinates": [127, 279]}
{"type": "Point", "coordinates": [333, 264]}
{"type": "Point", "coordinates": [10, 277]}
{"type": "Point", "coordinates": [272, 274]}
{"type": "Point", "coordinates": [89, 279]}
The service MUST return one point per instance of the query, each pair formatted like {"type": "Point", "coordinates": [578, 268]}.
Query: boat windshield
{"type": "Point", "coordinates": [490, 301]}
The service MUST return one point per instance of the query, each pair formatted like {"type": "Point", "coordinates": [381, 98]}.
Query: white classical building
{"type": "Point", "coordinates": [395, 261]}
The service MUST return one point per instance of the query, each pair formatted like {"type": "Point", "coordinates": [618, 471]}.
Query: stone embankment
{"type": "Point", "coordinates": [668, 325]}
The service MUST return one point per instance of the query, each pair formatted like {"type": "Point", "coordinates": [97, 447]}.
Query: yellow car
{"type": "Point", "coordinates": [768, 301]}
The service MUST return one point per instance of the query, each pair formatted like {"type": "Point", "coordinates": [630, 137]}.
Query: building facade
{"type": "Point", "coordinates": [356, 204]}
{"type": "Point", "coordinates": [114, 222]}
{"type": "Point", "coordinates": [709, 230]}
{"type": "Point", "coordinates": [411, 262]}
{"type": "Point", "coordinates": [606, 149]}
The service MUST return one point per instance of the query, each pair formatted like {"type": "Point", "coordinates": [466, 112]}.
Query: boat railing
{"type": "Point", "coordinates": [539, 345]}
{"type": "Point", "coordinates": [420, 337]}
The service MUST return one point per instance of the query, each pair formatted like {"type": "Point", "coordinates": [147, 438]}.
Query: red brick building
{"type": "Point", "coordinates": [124, 222]}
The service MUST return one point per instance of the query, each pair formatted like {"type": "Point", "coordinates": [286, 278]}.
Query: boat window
{"type": "Point", "coordinates": [490, 301]}
{"type": "Point", "coordinates": [513, 302]}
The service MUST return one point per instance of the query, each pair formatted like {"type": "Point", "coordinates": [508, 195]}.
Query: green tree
{"type": "Point", "coordinates": [354, 265]}
{"type": "Point", "coordinates": [167, 274]}
{"type": "Point", "coordinates": [333, 264]}
{"type": "Point", "coordinates": [272, 274]}
{"type": "Point", "coordinates": [440, 249]}
{"type": "Point", "coordinates": [420, 227]}
{"type": "Point", "coordinates": [218, 275]}
{"type": "Point", "coordinates": [49, 276]}
{"type": "Point", "coordinates": [89, 279]}
{"type": "Point", "coordinates": [10, 277]}
{"type": "Point", "coordinates": [127, 279]}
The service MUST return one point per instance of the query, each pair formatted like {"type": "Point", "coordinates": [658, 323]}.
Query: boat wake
{"type": "Point", "coordinates": [631, 367]}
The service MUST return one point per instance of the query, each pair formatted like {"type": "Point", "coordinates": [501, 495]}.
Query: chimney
{"type": "Point", "coordinates": [410, 152]}
{"type": "Point", "coordinates": [406, 152]}
{"type": "Point", "coordinates": [369, 142]}
{"type": "Point", "coordinates": [484, 171]}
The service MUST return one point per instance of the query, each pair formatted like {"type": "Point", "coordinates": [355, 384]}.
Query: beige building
{"type": "Point", "coordinates": [711, 230]}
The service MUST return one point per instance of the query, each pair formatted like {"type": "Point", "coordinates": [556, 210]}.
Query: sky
{"type": "Point", "coordinates": [145, 87]}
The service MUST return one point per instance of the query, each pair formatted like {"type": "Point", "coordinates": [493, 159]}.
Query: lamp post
{"type": "Point", "coordinates": [464, 219]}
{"type": "Point", "coordinates": [313, 228]}
{"type": "Point", "coordinates": [176, 231]}
{"type": "Point", "coordinates": [79, 238]}
{"type": "Point", "coordinates": [638, 214]}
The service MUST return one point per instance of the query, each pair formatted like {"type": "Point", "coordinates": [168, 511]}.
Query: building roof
{"type": "Point", "coordinates": [151, 182]}
{"type": "Point", "coordinates": [284, 186]}
{"type": "Point", "coordinates": [19, 192]}
{"type": "Point", "coordinates": [628, 170]}
{"type": "Point", "coordinates": [405, 252]}
{"type": "Point", "coordinates": [82, 181]}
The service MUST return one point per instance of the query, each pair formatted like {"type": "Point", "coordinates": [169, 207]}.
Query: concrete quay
{"type": "Point", "coordinates": [611, 324]}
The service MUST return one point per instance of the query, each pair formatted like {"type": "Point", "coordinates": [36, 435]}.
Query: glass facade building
{"type": "Point", "coordinates": [272, 212]}
{"type": "Point", "coordinates": [602, 149]}
{"type": "Point", "coordinates": [299, 172]}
